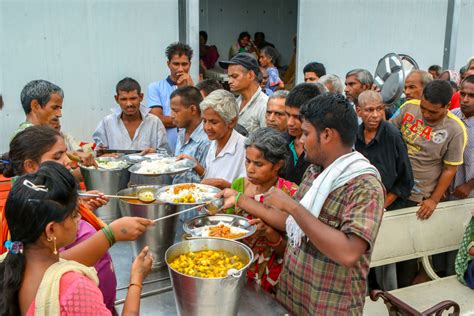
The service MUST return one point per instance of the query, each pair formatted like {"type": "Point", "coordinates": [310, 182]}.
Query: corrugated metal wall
{"type": "Point", "coordinates": [347, 34]}
{"type": "Point", "coordinates": [465, 47]}
{"type": "Point", "coordinates": [85, 47]}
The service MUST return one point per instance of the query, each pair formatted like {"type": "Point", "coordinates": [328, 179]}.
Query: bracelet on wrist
{"type": "Point", "coordinates": [276, 244]}
{"type": "Point", "coordinates": [106, 234]}
{"type": "Point", "coordinates": [109, 234]}
{"type": "Point", "coordinates": [135, 284]}
{"type": "Point", "coordinates": [112, 235]}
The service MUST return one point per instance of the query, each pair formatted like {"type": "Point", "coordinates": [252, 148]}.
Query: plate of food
{"type": "Point", "coordinates": [168, 165]}
{"type": "Point", "coordinates": [187, 194]}
{"type": "Point", "coordinates": [220, 226]}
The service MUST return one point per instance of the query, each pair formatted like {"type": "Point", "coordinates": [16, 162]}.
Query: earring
{"type": "Point", "coordinates": [55, 251]}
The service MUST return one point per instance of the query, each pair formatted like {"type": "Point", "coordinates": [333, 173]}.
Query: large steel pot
{"type": "Point", "coordinates": [108, 182]}
{"type": "Point", "coordinates": [214, 296]}
{"type": "Point", "coordinates": [138, 179]}
{"type": "Point", "coordinates": [158, 237]}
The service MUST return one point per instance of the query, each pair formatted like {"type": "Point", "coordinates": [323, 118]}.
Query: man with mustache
{"type": "Point", "coordinates": [42, 102]}
{"type": "Point", "coordinates": [382, 144]}
{"type": "Point", "coordinates": [133, 126]}
{"type": "Point", "coordinates": [357, 81]}
{"type": "Point", "coordinates": [276, 115]}
{"type": "Point", "coordinates": [463, 184]}
{"type": "Point", "coordinates": [415, 82]}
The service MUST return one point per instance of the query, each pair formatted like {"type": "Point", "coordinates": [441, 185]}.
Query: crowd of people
{"type": "Point", "coordinates": [314, 168]}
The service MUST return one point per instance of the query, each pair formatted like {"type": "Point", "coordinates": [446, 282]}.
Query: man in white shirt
{"type": "Point", "coordinates": [133, 126]}
{"type": "Point", "coordinates": [244, 79]}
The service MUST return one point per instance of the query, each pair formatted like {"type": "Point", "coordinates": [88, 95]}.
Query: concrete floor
{"type": "Point", "coordinates": [159, 298]}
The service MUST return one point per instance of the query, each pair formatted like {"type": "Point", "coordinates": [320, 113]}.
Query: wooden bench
{"type": "Point", "coordinates": [402, 237]}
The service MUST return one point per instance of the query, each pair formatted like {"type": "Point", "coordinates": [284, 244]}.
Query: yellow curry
{"type": "Point", "coordinates": [207, 263]}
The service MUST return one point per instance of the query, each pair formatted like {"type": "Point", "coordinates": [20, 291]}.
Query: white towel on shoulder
{"type": "Point", "coordinates": [341, 171]}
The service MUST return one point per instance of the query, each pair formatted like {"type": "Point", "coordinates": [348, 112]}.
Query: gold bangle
{"type": "Point", "coordinates": [136, 284]}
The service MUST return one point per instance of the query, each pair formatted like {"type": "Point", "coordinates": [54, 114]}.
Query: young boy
{"type": "Point", "coordinates": [267, 57]}
{"type": "Point", "coordinates": [192, 141]}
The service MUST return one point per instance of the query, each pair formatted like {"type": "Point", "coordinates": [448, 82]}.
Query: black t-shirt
{"type": "Point", "coordinates": [388, 153]}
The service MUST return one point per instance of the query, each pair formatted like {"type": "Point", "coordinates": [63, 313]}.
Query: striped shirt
{"type": "Point", "coordinates": [465, 171]}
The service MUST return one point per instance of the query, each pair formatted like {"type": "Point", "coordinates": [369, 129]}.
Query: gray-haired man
{"type": "Point", "coordinates": [357, 81]}
{"type": "Point", "coordinates": [42, 102]}
{"type": "Point", "coordinates": [276, 115]}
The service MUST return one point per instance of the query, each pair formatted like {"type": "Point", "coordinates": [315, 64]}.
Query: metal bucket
{"type": "Point", "coordinates": [214, 296]}
{"type": "Point", "coordinates": [158, 237]}
{"type": "Point", "coordinates": [108, 182]}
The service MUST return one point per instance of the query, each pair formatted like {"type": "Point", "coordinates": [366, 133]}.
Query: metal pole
{"type": "Point", "coordinates": [451, 33]}
{"type": "Point", "coordinates": [146, 294]}
{"type": "Point", "coordinates": [188, 18]}
{"type": "Point", "coordinates": [144, 283]}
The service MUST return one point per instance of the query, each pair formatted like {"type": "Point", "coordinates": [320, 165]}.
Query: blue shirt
{"type": "Point", "coordinates": [197, 147]}
{"type": "Point", "coordinates": [158, 95]}
{"type": "Point", "coordinates": [113, 134]}
{"type": "Point", "coordinates": [273, 78]}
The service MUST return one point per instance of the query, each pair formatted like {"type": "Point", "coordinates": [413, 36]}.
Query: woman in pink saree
{"type": "Point", "coordinates": [43, 217]}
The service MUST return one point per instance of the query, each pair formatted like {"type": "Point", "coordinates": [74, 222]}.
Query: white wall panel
{"type": "Point", "coordinates": [223, 20]}
{"type": "Point", "coordinates": [85, 47]}
{"type": "Point", "coordinates": [347, 34]}
{"type": "Point", "coordinates": [465, 47]}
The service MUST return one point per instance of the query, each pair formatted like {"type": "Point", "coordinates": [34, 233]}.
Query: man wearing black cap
{"type": "Point", "coordinates": [244, 79]}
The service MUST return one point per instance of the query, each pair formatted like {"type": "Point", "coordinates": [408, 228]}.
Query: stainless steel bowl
{"type": "Point", "coordinates": [195, 226]}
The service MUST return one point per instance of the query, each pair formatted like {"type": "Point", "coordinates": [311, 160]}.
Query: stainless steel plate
{"type": "Point", "coordinates": [99, 160]}
{"type": "Point", "coordinates": [195, 226]}
{"type": "Point", "coordinates": [207, 190]}
{"type": "Point", "coordinates": [173, 166]}
{"type": "Point", "coordinates": [135, 158]}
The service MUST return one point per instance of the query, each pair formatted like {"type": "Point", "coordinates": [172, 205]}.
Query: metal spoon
{"type": "Point", "coordinates": [143, 196]}
{"type": "Point", "coordinates": [215, 204]}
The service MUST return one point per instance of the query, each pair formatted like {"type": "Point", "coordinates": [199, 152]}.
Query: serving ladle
{"type": "Point", "coordinates": [144, 195]}
{"type": "Point", "coordinates": [215, 205]}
